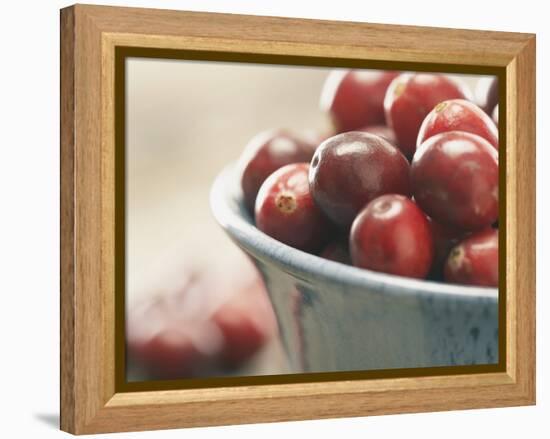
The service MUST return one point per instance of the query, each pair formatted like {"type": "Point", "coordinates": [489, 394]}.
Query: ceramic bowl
{"type": "Point", "coordinates": [334, 317]}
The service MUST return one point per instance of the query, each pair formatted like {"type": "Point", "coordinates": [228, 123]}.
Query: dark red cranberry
{"type": "Point", "coordinates": [355, 98]}
{"type": "Point", "coordinates": [338, 251]}
{"type": "Point", "coordinates": [285, 209]}
{"type": "Point", "coordinates": [392, 235]}
{"type": "Point", "coordinates": [266, 153]}
{"type": "Point", "coordinates": [454, 178]}
{"type": "Point", "coordinates": [444, 239]}
{"type": "Point", "coordinates": [351, 169]}
{"type": "Point", "coordinates": [475, 260]}
{"type": "Point", "coordinates": [409, 99]}
{"type": "Point", "coordinates": [495, 115]}
{"type": "Point", "coordinates": [486, 93]}
{"type": "Point", "coordinates": [458, 115]}
{"type": "Point", "coordinates": [382, 131]}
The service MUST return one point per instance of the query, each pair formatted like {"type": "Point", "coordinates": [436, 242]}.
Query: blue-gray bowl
{"type": "Point", "coordinates": [334, 317]}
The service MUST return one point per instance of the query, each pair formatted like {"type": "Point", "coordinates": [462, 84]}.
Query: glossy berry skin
{"type": "Point", "coordinates": [355, 98]}
{"type": "Point", "coordinates": [475, 260]}
{"type": "Point", "coordinates": [382, 131]}
{"type": "Point", "coordinates": [285, 209]}
{"type": "Point", "coordinates": [337, 251]}
{"type": "Point", "coordinates": [409, 99]}
{"type": "Point", "coordinates": [351, 169]}
{"type": "Point", "coordinates": [486, 93]}
{"type": "Point", "coordinates": [454, 177]}
{"type": "Point", "coordinates": [458, 115]}
{"type": "Point", "coordinates": [392, 235]}
{"type": "Point", "coordinates": [264, 154]}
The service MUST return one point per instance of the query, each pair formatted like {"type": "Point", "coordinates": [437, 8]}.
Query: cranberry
{"type": "Point", "coordinates": [285, 209]}
{"type": "Point", "coordinates": [355, 98]}
{"type": "Point", "coordinates": [350, 169]}
{"type": "Point", "coordinates": [410, 97]}
{"type": "Point", "coordinates": [264, 154]}
{"type": "Point", "coordinates": [454, 178]}
{"type": "Point", "coordinates": [486, 93]}
{"type": "Point", "coordinates": [181, 330]}
{"type": "Point", "coordinates": [458, 115]}
{"type": "Point", "coordinates": [338, 251]}
{"type": "Point", "coordinates": [382, 131]}
{"type": "Point", "coordinates": [495, 115]}
{"type": "Point", "coordinates": [444, 239]}
{"type": "Point", "coordinates": [475, 260]}
{"type": "Point", "coordinates": [169, 354]}
{"type": "Point", "coordinates": [392, 235]}
{"type": "Point", "coordinates": [159, 340]}
{"type": "Point", "coordinates": [246, 323]}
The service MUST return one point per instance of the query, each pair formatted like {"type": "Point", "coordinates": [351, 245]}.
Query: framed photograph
{"type": "Point", "coordinates": [268, 219]}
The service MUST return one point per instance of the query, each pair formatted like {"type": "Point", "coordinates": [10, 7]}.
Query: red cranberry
{"type": "Point", "coordinates": [246, 323]}
{"type": "Point", "coordinates": [338, 251]}
{"type": "Point", "coordinates": [392, 235]}
{"type": "Point", "coordinates": [351, 169]}
{"type": "Point", "coordinates": [486, 93]}
{"type": "Point", "coordinates": [382, 131]}
{"type": "Point", "coordinates": [173, 333]}
{"type": "Point", "coordinates": [454, 178]}
{"type": "Point", "coordinates": [410, 97]}
{"type": "Point", "coordinates": [355, 98]}
{"type": "Point", "coordinates": [159, 340]}
{"type": "Point", "coordinates": [458, 115]}
{"type": "Point", "coordinates": [266, 153]}
{"type": "Point", "coordinates": [285, 209]}
{"type": "Point", "coordinates": [475, 260]}
{"type": "Point", "coordinates": [495, 115]}
{"type": "Point", "coordinates": [444, 239]}
{"type": "Point", "coordinates": [169, 354]}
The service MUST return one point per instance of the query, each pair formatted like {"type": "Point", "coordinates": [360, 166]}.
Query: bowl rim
{"type": "Point", "coordinates": [226, 203]}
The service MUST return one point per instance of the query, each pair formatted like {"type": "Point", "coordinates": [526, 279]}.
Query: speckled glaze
{"type": "Point", "coordinates": [333, 317]}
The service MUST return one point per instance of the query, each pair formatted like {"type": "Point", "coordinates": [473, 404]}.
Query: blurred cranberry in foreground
{"type": "Point", "coordinates": [285, 209]}
{"type": "Point", "coordinates": [170, 335]}
{"type": "Point", "coordinates": [382, 131]}
{"type": "Point", "coordinates": [337, 251]}
{"type": "Point", "coordinates": [264, 154]}
{"type": "Point", "coordinates": [392, 235]}
{"type": "Point", "coordinates": [454, 177]}
{"type": "Point", "coordinates": [351, 169]}
{"type": "Point", "coordinates": [246, 324]}
{"type": "Point", "coordinates": [355, 98]}
{"type": "Point", "coordinates": [458, 115]}
{"type": "Point", "coordinates": [486, 93]}
{"type": "Point", "coordinates": [475, 260]}
{"type": "Point", "coordinates": [409, 99]}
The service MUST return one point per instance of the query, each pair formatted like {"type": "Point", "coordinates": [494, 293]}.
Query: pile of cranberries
{"type": "Point", "coordinates": [407, 184]}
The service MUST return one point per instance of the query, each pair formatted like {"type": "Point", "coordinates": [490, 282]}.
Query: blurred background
{"type": "Point", "coordinates": [195, 304]}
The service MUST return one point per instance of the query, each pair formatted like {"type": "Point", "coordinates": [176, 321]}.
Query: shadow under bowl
{"type": "Point", "coordinates": [333, 317]}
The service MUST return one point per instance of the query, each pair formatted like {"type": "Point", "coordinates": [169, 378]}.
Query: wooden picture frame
{"type": "Point", "coordinates": [90, 38]}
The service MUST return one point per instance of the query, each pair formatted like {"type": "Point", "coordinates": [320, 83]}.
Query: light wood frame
{"type": "Point", "coordinates": [89, 36]}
